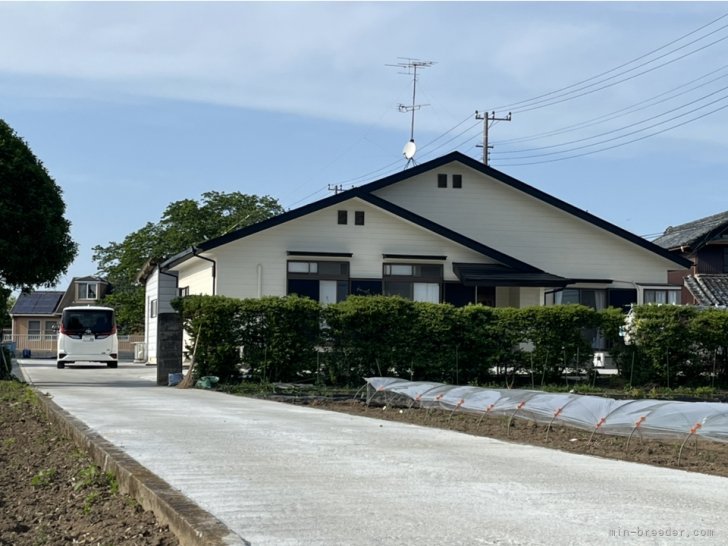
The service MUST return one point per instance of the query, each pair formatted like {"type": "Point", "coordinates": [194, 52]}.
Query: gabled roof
{"type": "Point", "coordinates": [365, 192]}
{"type": "Point", "coordinates": [693, 234]}
{"type": "Point", "coordinates": [708, 289]}
{"type": "Point", "coordinates": [37, 303]}
{"type": "Point", "coordinates": [89, 278]}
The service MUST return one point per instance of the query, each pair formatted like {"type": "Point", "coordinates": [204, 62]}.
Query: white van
{"type": "Point", "coordinates": [88, 334]}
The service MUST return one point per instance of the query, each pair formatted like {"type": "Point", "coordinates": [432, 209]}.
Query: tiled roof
{"type": "Point", "coordinates": [708, 289]}
{"type": "Point", "coordinates": [37, 303]}
{"type": "Point", "coordinates": [692, 233]}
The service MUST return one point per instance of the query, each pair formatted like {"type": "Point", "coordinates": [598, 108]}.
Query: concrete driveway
{"type": "Point", "coordinates": [285, 475]}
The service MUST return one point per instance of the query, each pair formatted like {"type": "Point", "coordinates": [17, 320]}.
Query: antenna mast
{"type": "Point", "coordinates": [487, 119]}
{"type": "Point", "coordinates": [410, 67]}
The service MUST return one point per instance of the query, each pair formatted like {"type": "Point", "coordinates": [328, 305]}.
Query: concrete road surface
{"type": "Point", "coordinates": [283, 475]}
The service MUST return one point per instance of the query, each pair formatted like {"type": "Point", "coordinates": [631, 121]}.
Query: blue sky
{"type": "Point", "coordinates": [134, 105]}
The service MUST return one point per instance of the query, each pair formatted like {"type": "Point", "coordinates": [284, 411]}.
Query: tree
{"type": "Point", "coordinates": [183, 224]}
{"type": "Point", "coordinates": [35, 242]}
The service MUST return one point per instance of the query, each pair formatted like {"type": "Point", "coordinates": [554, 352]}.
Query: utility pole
{"type": "Point", "coordinates": [336, 188]}
{"type": "Point", "coordinates": [487, 119]}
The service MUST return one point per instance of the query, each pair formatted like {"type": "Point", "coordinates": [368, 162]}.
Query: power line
{"type": "Point", "coordinates": [576, 141]}
{"type": "Point", "coordinates": [612, 84]}
{"type": "Point", "coordinates": [511, 106]}
{"type": "Point", "coordinates": [622, 143]}
{"type": "Point", "coordinates": [636, 107]}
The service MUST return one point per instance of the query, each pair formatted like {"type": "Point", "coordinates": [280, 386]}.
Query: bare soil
{"type": "Point", "coordinates": [51, 493]}
{"type": "Point", "coordinates": [698, 455]}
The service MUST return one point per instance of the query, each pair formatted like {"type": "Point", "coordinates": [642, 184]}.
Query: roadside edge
{"type": "Point", "coordinates": [192, 525]}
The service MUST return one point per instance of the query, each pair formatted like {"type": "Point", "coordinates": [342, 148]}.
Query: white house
{"type": "Point", "coordinates": [449, 230]}
{"type": "Point", "coordinates": [160, 290]}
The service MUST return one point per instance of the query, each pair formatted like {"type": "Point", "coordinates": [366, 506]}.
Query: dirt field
{"type": "Point", "coordinates": [702, 456]}
{"type": "Point", "coordinates": [52, 494]}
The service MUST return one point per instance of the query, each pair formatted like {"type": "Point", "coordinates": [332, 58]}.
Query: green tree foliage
{"type": "Point", "coordinates": [6, 304]}
{"type": "Point", "coordinates": [559, 336]}
{"type": "Point", "coordinates": [35, 242]}
{"type": "Point", "coordinates": [665, 348]}
{"type": "Point", "coordinates": [709, 331]}
{"type": "Point", "coordinates": [183, 224]}
{"type": "Point", "coordinates": [489, 340]}
{"type": "Point", "coordinates": [296, 339]}
{"type": "Point", "coordinates": [267, 339]}
{"type": "Point", "coordinates": [370, 336]}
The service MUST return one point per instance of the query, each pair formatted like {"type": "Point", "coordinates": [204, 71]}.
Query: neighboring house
{"type": "Point", "coordinates": [160, 290]}
{"type": "Point", "coordinates": [450, 230]}
{"type": "Point", "coordinates": [705, 243]}
{"type": "Point", "coordinates": [35, 315]}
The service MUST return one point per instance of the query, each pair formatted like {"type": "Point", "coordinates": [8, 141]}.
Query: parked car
{"type": "Point", "coordinates": [88, 334]}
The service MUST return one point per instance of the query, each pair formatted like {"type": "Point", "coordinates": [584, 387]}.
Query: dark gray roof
{"type": "Point", "coordinates": [366, 192]}
{"type": "Point", "coordinates": [37, 303]}
{"type": "Point", "coordinates": [708, 289]}
{"type": "Point", "coordinates": [694, 233]}
{"type": "Point", "coordinates": [499, 275]}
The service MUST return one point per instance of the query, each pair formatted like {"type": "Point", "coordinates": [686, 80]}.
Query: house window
{"type": "Point", "coordinates": [33, 330]}
{"type": "Point", "coordinates": [324, 281]}
{"type": "Point", "coordinates": [590, 297]}
{"type": "Point", "coordinates": [184, 291]}
{"type": "Point", "coordinates": [457, 181]}
{"type": "Point", "coordinates": [153, 308]}
{"type": "Point", "coordinates": [304, 268]}
{"type": "Point", "coordinates": [417, 282]}
{"type": "Point", "coordinates": [49, 330]}
{"type": "Point", "coordinates": [87, 290]}
{"type": "Point", "coordinates": [442, 181]}
{"type": "Point", "coordinates": [661, 295]}
{"type": "Point", "coordinates": [359, 218]}
{"type": "Point", "coordinates": [596, 299]}
{"type": "Point", "coordinates": [343, 217]}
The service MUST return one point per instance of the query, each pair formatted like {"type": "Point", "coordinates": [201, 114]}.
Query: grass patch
{"type": "Point", "coordinates": [43, 478]}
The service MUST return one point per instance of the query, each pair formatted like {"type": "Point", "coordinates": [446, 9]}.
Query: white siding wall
{"type": "Point", "coordinates": [163, 288]}
{"type": "Point", "coordinates": [196, 274]}
{"type": "Point", "coordinates": [526, 228]}
{"type": "Point", "coordinates": [151, 292]}
{"type": "Point", "coordinates": [383, 233]}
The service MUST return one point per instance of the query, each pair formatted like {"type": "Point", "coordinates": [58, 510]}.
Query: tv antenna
{"type": "Point", "coordinates": [409, 68]}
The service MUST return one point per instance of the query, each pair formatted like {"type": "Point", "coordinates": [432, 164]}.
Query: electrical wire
{"type": "Point", "coordinates": [646, 120]}
{"type": "Point", "coordinates": [622, 143]}
{"type": "Point", "coordinates": [612, 84]}
{"type": "Point", "coordinates": [636, 107]}
{"type": "Point", "coordinates": [619, 67]}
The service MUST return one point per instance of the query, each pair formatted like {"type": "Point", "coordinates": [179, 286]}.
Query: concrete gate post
{"type": "Point", "coordinates": [169, 346]}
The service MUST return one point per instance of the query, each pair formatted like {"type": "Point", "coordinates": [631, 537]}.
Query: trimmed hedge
{"type": "Point", "coordinates": [294, 339]}
{"type": "Point", "coordinates": [675, 345]}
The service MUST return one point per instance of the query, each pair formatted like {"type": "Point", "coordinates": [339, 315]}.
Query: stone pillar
{"type": "Point", "coordinates": [169, 346]}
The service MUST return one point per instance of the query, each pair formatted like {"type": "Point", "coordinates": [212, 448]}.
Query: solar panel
{"type": "Point", "coordinates": [37, 303]}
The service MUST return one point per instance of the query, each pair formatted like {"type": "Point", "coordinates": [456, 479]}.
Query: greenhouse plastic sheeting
{"type": "Point", "coordinates": [649, 418]}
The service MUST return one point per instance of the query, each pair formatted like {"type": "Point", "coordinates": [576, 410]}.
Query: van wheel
{"type": "Point", "coordinates": [60, 365]}
{"type": "Point", "coordinates": [113, 364]}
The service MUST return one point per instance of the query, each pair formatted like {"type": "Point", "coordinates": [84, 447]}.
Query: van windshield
{"type": "Point", "coordinates": [90, 321]}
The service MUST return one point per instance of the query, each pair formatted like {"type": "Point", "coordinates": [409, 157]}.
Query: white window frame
{"type": "Point", "coordinates": [83, 290]}
{"type": "Point", "coordinates": [674, 293]}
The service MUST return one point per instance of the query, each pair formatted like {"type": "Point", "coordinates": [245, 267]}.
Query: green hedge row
{"type": "Point", "coordinates": [295, 339]}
